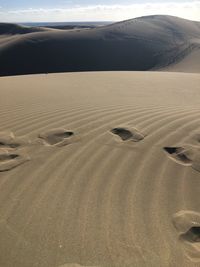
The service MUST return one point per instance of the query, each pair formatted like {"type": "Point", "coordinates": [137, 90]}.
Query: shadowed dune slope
{"type": "Point", "coordinates": [100, 169]}
{"type": "Point", "coordinates": [190, 63]}
{"type": "Point", "coordinates": [145, 43]}
{"type": "Point", "coordinates": [11, 29]}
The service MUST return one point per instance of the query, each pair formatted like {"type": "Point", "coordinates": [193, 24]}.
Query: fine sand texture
{"type": "Point", "coordinates": [146, 43]}
{"type": "Point", "coordinates": [100, 169]}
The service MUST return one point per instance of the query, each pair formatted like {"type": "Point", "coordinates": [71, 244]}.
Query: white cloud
{"type": "Point", "coordinates": [188, 10]}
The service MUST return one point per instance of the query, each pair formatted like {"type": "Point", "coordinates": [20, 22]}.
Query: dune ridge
{"type": "Point", "coordinates": [145, 43]}
{"type": "Point", "coordinates": [11, 29]}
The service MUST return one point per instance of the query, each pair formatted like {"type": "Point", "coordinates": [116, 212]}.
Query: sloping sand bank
{"type": "Point", "coordinates": [102, 170]}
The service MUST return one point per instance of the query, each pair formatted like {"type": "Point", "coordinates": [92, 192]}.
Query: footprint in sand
{"type": "Point", "coordinates": [128, 134]}
{"type": "Point", "coordinates": [8, 140]}
{"type": "Point", "coordinates": [58, 137]}
{"type": "Point", "coordinates": [179, 154]}
{"type": "Point", "coordinates": [185, 155]}
{"type": "Point", "coordinates": [193, 234]}
{"type": "Point", "coordinates": [10, 154]}
{"type": "Point", "coordinates": [187, 224]}
{"type": "Point", "coordinates": [11, 159]}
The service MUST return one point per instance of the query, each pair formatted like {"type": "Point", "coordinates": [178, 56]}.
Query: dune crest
{"type": "Point", "coordinates": [12, 29]}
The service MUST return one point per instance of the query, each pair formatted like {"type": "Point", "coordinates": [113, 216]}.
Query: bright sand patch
{"type": "Point", "coordinates": [100, 201]}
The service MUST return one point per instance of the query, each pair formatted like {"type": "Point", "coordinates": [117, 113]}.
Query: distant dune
{"type": "Point", "coordinates": [11, 29]}
{"type": "Point", "coordinates": [146, 43]}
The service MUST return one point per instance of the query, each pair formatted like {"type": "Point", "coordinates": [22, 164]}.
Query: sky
{"type": "Point", "coordinates": [93, 10]}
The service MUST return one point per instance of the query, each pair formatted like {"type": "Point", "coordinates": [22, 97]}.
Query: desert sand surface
{"type": "Point", "coordinates": [189, 64]}
{"type": "Point", "coordinates": [100, 169]}
{"type": "Point", "coordinates": [141, 44]}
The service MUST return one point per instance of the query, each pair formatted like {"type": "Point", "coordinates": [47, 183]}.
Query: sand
{"type": "Point", "coordinates": [100, 169]}
{"type": "Point", "coordinates": [141, 44]}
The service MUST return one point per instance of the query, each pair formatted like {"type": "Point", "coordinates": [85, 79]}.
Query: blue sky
{"type": "Point", "coordinates": [91, 10]}
{"type": "Point", "coordinates": [65, 3]}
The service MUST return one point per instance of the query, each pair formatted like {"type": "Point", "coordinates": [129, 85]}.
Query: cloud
{"type": "Point", "coordinates": [188, 10]}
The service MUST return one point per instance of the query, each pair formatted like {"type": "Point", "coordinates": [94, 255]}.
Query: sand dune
{"type": "Point", "coordinates": [146, 43]}
{"type": "Point", "coordinates": [11, 29]}
{"type": "Point", "coordinates": [110, 178]}
{"type": "Point", "coordinates": [189, 63]}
